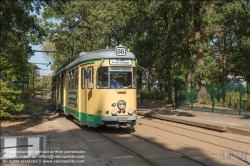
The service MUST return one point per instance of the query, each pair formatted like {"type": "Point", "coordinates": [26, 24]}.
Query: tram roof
{"type": "Point", "coordinates": [95, 55]}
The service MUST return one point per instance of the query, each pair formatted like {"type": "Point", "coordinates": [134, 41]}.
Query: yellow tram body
{"type": "Point", "coordinates": [98, 88]}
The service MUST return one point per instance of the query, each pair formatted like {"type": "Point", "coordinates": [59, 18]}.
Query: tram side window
{"type": "Point", "coordinates": [102, 77]}
{"type": "Point", "coordinates": [76, 78]}
{"type": "Point", "coordinates": [90, 78]}
{"type": "Point", "coordinates": [65, 81]}
{"type": "Point", "coordinates": [57, 87]}
{"type": "Point", "coordinates": [58, 82]}
{"type": "Point", "coordinates": [69, 80]}
{"type": "Point", "coordinates": [62, 81]}
{"type": "Point", "coordinates": [82, 78]}
{"type": "Point", "coordinates": [53, 88]}
{"type": "Point", "coordinates": [72, 79]}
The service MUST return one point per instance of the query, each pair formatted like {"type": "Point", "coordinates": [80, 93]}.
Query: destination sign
{"type": "Point", "coordinates": [120, 62]}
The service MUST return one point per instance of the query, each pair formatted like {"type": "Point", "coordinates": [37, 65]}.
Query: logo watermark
{"type": "Point", "coordinates": [234, 155]}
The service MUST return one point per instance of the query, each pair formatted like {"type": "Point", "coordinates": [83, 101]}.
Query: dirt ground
{"type": "Point", "coordinates": [41, 119]}
{"type": "Point", "coordinates": [35, 119]}
{"type": "Point", "coordinates": [21, 122]}
{"type": "Point", "coordinates": [61, 134]}
{"type": "Point", "coordinates": [40, 112]}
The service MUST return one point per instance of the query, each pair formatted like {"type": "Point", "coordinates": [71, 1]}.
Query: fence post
{"type": "Point", "coordinates": [186, 91]}
{"type": "Point", "coordinates": [191, 100]}
{"type": "Point", "coordinates": [240, 99]}
{"type": "Point", "coordinates": [247, 96]}
{"type": "Point", "coordinates": [213, 98]}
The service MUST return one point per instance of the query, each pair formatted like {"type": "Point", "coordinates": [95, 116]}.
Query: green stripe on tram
{"type": "Point", "coordinates": [89, 119]}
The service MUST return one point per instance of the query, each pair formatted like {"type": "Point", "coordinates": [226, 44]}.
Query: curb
{"type": "Point", "coordinates": [218, 127]}
{"type": "Point", "coordinates": [238, 131]}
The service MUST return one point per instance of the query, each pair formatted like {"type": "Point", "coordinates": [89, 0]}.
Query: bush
{"type": "Point", "coordinates": [206, 99]}
{"type": "Point", "coordinates": [223, 96]}
{"type": "Point", "coordinates": [9, 99]}
{"type": "Point", "coordinates": [154, 95]}
{"type": "Point", "coordinates": [246, 102]}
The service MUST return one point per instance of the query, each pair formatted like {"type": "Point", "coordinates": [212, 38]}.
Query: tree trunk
{"type": "Point", "coordinates": [170, 101]}
{"type": "Point", "coordinates": [197, 28]}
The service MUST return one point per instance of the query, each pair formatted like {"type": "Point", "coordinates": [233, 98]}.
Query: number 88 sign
{"type": "Point", "coordinates": [120, 50]}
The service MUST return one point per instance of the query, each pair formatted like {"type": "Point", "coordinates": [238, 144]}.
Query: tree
{"type": "Point", "coordinates": [43, 85]}
{"type": "Point", "coordinates": [19, 29]}
{"type": "Point", "coordinates": [198, 41]}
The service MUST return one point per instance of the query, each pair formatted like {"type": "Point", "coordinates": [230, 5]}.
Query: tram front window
{"type": "Point", "coordinates": [116, 77]}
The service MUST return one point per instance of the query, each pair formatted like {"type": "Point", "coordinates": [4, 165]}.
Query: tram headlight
{"type": "Point", "coordinates": [114, 112]}
{"type": "Point", "coordinates": [121, 104]}
{"type": "Point", "coordinates": [130, 111]}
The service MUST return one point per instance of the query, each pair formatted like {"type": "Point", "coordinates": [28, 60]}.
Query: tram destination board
{"type": "Point", "coordinates": [120, 62]}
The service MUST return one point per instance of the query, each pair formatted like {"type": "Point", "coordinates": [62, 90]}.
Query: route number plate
{"type": "Point", "coordinates": [120, 50]}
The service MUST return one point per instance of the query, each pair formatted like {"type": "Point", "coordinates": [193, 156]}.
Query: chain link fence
{"type": "Point", "coordinates": [228, 99]}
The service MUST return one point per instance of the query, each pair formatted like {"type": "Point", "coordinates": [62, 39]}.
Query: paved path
{"type": "Point", "coordinates": [222, 122]}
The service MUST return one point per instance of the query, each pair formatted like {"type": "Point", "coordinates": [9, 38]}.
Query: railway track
{"type": "Point", "coordinates": [236, 149]}
{"type": "Point", "coordinates": [156, 153]}
{"type": "Point", "coordinates": [151, 163]}
{"type": "Point", "coordinates": [231, 145]}
{"type": "Point", "coordinates": [147, 143]}
{"type": "Point", "coordinates": [199, 132]}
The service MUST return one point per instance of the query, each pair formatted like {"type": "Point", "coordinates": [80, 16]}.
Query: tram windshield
{"type": "Point", "coordinates": [116, 77]}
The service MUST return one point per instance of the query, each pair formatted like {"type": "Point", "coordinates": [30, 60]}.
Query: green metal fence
{"type": "Point", "coordinates": [230, 99]}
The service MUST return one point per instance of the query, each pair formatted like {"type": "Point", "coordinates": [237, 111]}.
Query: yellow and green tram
{"type": "Point", "coordinates": [86, 89]}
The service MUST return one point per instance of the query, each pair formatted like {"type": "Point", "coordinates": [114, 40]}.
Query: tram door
{"type": "Point", "coordinates": [89, 95]}
{"type": "Point", "coordinates": [82, 96]}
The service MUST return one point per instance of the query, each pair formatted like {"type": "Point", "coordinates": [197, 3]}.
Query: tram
{"type": "Point", "coordinates": [98, 88]}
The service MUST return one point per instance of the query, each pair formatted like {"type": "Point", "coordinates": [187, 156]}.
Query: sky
{"type": "Point", "coordinates": [38, 57]}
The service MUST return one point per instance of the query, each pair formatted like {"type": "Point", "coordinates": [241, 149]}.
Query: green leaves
{"type": "Point", "coordinates": [9, 99]}
{"type": "Point", "coordinates": [172, 39]}
{"type": "Point", "coordinates": [19, 30]}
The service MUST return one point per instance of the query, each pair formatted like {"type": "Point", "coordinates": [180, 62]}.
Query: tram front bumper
{"type": "Point", "coordinates": [119, 121]}
{"type": "Point", "coordinates": [118, 118]}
